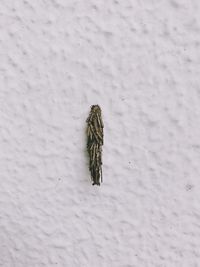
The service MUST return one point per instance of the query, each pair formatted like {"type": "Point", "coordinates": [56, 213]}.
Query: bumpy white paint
{"type": "Point", "coordinates": [140, 61]}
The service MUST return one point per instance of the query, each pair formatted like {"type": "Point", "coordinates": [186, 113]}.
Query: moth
{"type": "Point", "coordinates": [94, 144]}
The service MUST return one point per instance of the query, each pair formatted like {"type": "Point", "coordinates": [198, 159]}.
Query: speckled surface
{"type": "Point", "coordinates": [140, 61]}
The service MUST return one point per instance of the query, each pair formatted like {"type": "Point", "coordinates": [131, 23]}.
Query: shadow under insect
{"type": "Point", "coordinates": [95, 143]}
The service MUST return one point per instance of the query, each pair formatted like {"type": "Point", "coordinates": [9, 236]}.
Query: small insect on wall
{"type": "Point", "coordinates": [95, 143]}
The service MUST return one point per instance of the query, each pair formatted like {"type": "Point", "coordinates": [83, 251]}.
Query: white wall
{"type": "Point", "coordinates": [140, 61]}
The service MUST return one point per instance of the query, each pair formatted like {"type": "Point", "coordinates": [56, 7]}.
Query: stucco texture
{"type": "Point", "coordinates": [140, 61]}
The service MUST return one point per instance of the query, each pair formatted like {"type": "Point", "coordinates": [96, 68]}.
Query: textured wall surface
{"type": "Point", "coordinates": [140, 61]}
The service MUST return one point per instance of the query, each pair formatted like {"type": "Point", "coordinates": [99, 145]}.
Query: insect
{"type": "Point", "coordinates": [95, 143]}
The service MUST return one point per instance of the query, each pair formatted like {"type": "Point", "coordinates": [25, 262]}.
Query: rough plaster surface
{"type": "Point", "coordinates": [140, 60]}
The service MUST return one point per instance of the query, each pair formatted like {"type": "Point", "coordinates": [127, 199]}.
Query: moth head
{"type": "Point", "coordinates": [95, 108]}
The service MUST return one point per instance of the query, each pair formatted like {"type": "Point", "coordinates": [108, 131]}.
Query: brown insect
{"type": "Point", "coordinates": [94, 144]}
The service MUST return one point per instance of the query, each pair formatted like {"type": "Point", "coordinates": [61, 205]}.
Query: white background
{"type": "Point", "coordinates": [140, 61]}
